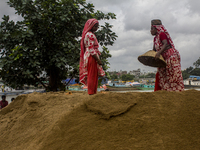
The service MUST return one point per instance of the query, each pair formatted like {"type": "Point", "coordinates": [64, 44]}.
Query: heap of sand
{"type": "Point", "coordinates": [105, 121]}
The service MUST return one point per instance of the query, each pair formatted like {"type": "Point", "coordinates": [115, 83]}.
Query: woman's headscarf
{"type": "Point", "coordinates": [160, 28]}
{"type": "Point", "coordinates": [88, 26]}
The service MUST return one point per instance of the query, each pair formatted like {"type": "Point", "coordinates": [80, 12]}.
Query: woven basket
{"type": "Point", "coordinates": [148, 59]}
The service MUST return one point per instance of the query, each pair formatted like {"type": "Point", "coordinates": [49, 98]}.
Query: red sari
{"type": "Point", "coordinates": [89, 69]}
{"type": "Point", "coordinates": [168, 78]}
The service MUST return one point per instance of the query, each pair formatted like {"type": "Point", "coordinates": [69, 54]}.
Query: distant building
{"type": "Point", "coordinates": [135, 72]}
{"type": "Point", "coordinates": [118, 74]}
{"type": "Point", "coordinates": [122, 72]}
{"type": "Point", "coordinates": [112, 72]}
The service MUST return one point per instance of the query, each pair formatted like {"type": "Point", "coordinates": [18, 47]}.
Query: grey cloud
{"type": "Point", "coordinates": [5, 9]}
{"type": "Point", "coordinates": [194, 6]}
{"type": "Point", "coordinates": [181, 19]}
{"type": "Point", "coordinates": [107, 3]}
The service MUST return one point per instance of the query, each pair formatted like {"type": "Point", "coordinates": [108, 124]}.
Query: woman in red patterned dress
{"type": "Point", "coordinates": [90, 64]}
{"type": "Point", "coordinates": [168, 78]}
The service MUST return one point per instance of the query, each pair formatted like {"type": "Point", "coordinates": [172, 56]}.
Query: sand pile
{"type": "Point", "coordinates": [106, 121]}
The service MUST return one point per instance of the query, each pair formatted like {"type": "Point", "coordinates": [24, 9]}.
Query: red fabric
{"type": "Point", "coordinates": [88, 26]}
{"type": "Point", "coordinates": [168, 78]}
{"type": "Point", "coordinates": [92, 78]}
{"type": "Point", "coordinates": [158, 43]}
{"type": "Point", "coordinates": [163, 36]}
{"type": "Point", "coordinates": [157, 87]}
{"type": "Point", "coordinates": [89, 46]}
{"type": "Point", "coordinates": [3, 104]}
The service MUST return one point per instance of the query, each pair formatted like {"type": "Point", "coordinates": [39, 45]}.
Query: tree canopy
{"type": "Point", "coordinates": [114, 76]}
{"type": "Point", "coordinates": [127, 77]}
{"type": "Point", "coordinates": [45, 45]}
{"type": "Point", "coordinates": [197, 63]}
{"type": "Point", "coordinates": [190, 71]}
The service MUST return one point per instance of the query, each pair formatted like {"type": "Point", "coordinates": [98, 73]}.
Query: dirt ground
{"type": "Point", "coordinates": [106, 121]}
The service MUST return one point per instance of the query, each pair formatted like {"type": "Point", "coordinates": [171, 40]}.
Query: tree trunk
{"type": "Point", "coordinates": [53, 81]}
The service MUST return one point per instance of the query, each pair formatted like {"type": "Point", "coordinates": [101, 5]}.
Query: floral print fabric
{"type": "Point", "coordinates": [170, 77]}
{"type": "Point", "coordinates": [91, 47]}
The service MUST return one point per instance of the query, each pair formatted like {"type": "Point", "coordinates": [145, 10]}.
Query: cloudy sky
{"type": "Point", "coordinates": [181, 19]}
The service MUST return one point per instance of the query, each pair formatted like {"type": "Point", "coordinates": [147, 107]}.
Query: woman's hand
{"type": "Point", "coordinates": [99, 62]}
{"type": "Point", "coordinates": [97, 59]}
{"type": "Point", "coordinates": [157, 55]}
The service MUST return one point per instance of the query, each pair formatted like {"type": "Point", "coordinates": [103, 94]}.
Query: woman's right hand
{"type": "Point", "coordinates": [97, 59]}
{"type": "Point", "coordinates": [99, 62]}
{"type": "Point", "coordinates": [157, 55]}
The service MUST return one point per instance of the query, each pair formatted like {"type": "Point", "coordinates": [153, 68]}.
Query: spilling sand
{"type": "Point", "coordinates": [106, 121]}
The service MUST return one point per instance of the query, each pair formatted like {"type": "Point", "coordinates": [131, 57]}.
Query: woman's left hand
{"type": "Point", "coordinates": [99, 62]}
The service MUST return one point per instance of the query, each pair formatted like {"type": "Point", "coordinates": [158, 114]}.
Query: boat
{"type": "Point", "coordinates": [121, 87]}
{"type": "Point", "coordinates": [146, 87]}
{"type": "Point", "coordinates": [74, 88]}
{"type": "Point", "coordinates": [191, 86]}
{"type": "Point", "coordinates": [16, 92]}
{"type": "Point", "coordinates": [78, 87]}
{"type": "Point", "coordinates": [19, 92]}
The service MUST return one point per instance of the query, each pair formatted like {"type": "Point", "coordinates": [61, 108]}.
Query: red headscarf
{"type": "Point", "coordinates": [161, 28]}
{"type": "Point", "coordinates": [88, 26]}
{"type": "Point", "coordinates": [158, 43]}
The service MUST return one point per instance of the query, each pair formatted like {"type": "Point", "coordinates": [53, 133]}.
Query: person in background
{"type": "Point", "coordinates": [12, 99]}
{"type": "Point", "coordinates": [3, 102]}
{"type": "Point", "coordinates": [90, 63]}
{"type": "Point", "coordinates": [168, 78]}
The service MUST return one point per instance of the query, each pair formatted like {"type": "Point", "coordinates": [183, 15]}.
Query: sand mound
{"type": "Point", "coordinates": [109, 105]}
{"type": "Point", "coordinates": [112, 121]}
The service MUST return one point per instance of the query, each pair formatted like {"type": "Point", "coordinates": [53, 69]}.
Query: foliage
{"type": "Point", "coordinates": [127, 77]}
{"type": "Point", "coordinates": [186, 72]}
{"type": "Point", "coordinates": [197, 63]}
{"type": "Point", "coordinates": [114, 76]}
{"type": "Point", "coordinates": [190, 71]}
{"type": "Point", "coordinates": [195, 72]}
{"type": "Point", "coordinates": [46, 44]}
{"type": "Point", "coordinates": [149, 75]}
{"type": "Point", "coordinates": [185, 75]}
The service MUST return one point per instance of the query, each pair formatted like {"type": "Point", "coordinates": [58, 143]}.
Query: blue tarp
{"type": "Point", "coordinates": [197, 77]}
{"type": "Point", "coordinates": [73, 81]}
{"type": "Point", "coordinates": [104, 80]}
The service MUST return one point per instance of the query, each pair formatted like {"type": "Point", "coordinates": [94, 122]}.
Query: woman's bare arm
{"type": "Point", "coordinates": [164, 47]}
